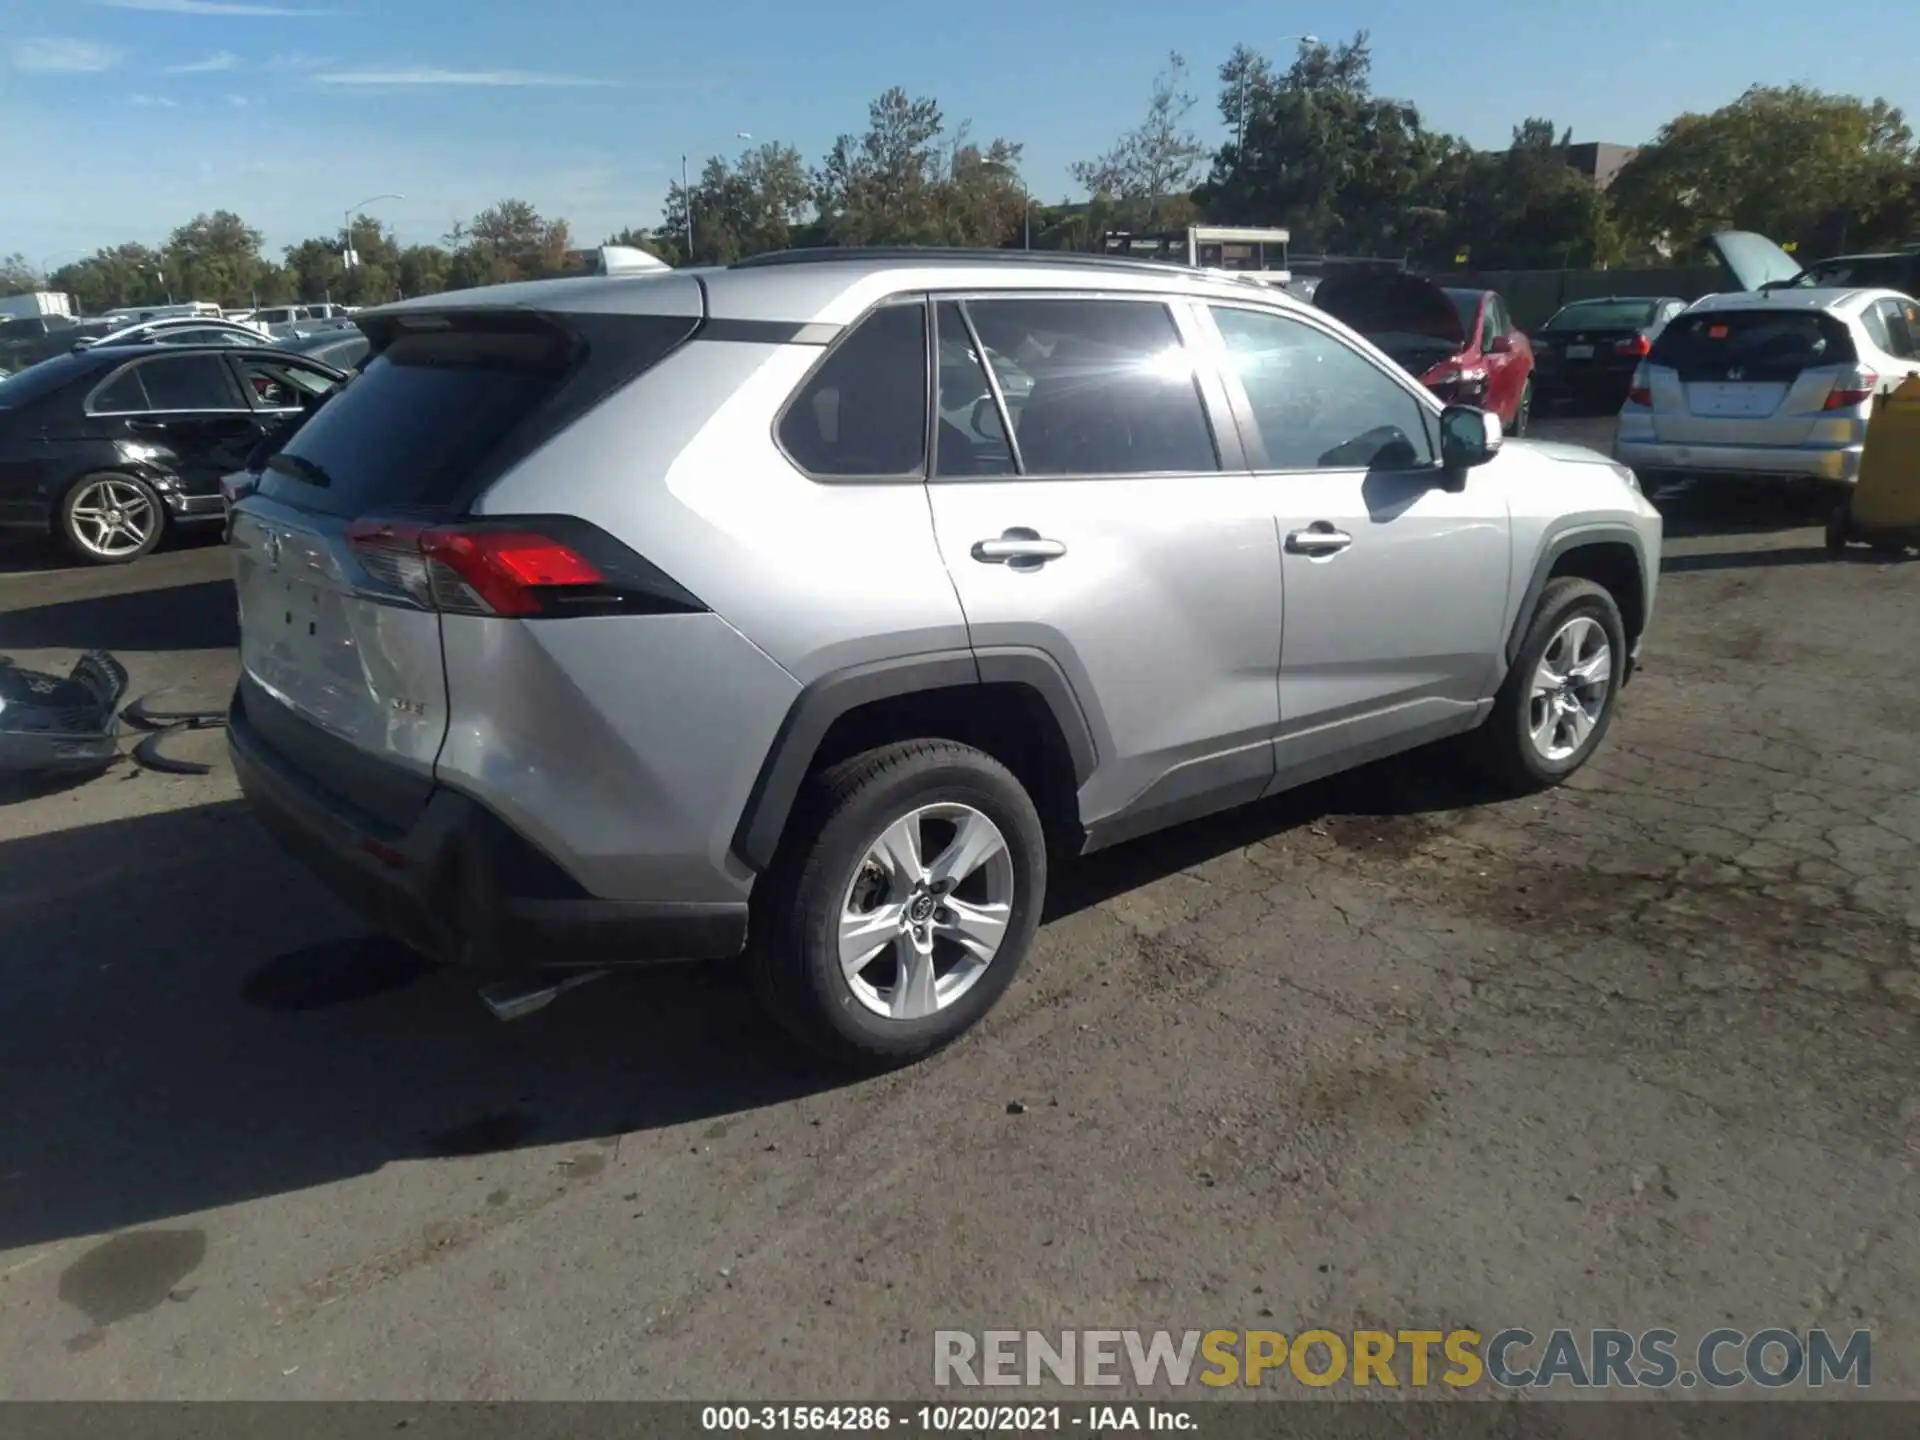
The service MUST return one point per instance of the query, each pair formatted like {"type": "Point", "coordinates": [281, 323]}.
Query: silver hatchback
{"type": "Point", "coordinates": [1772, 385]}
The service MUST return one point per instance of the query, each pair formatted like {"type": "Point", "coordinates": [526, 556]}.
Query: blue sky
{"type": "Point", "coordinates": [121, 118]}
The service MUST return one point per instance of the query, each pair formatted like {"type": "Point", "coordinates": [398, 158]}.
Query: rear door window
{"type": "Point", "coordinates": [190, 382]}
{"type": "Point", "coordinates": [863, 413]}
{"type": "Point", "coordinates": [122, 395]}
{"type": "Point", "coordinates": [1762, 345]}
{"type": "Point", "coordinates": [1096, 387]}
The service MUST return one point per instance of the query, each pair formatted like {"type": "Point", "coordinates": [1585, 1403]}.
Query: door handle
{"type": "Point", "coordinates": [147, 427]}
{"type": "Point", "coordinates": [1319, 538]}
{"type": "Point", "coordinates": [1015, 546]}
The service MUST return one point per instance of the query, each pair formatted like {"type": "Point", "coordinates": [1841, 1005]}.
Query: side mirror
{"type": "Point", "coordinates": [1501, 345]}
{"type": "Point", "coordinates": [1468, 437]}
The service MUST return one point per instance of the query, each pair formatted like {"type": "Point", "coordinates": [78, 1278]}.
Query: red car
{"type": "Point", "coordinates": [1462, 344]}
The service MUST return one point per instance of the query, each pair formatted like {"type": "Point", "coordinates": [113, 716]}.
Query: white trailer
{"type": "Point", "coordinates": [39, 302]}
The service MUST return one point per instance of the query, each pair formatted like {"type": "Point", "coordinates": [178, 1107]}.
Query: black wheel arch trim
{"type": "Point", "coordinates": [1577, 537]}
{"type": "Point", "coordinates": [835, 694]}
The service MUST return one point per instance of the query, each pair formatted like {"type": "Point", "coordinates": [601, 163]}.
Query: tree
{"type": "Point", "coordinates": [1519, 208]}
{"type": "Point", "coordinates": [1793, 163]}
{"type": "Point", "coordinates": [213, 257]}
{"type": "Point", "coordinates": [1150, 171]}
{"type": "Point", "coordinates": [1341, 167]}
{"type": "Point", "coordinates": [17, 277]}
{"type": "Point", "coordinates": [506, 242]}
{"type": "Point", "coordinates": [109, 279]}
{"type": "Point", "coordinates": [739, 209]}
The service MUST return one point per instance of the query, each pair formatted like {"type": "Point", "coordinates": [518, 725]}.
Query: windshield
{"type": "Point", "coordinates": [1876, 272]}
{"type": "Point", "coordinates": [1605, 315]}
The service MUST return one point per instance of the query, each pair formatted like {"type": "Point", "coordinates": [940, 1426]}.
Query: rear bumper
{"type": "Point", "coordinates": [1834, 465]}
{"type": "Point", "coordinates": [450, 884]}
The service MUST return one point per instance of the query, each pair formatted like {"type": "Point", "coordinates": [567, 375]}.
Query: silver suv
{"type": "Point", "coordinates": [803, 607]}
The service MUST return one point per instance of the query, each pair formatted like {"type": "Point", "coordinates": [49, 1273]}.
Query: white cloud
{"type": "Point", "coordinates": [210, 7]}
{"type": "Point", "coordinates": [212, 65]}
{"type": "Point", "coordinates": [239, 102]}
{"type": "Point", "coordinates": [486, 78]}
{"type": "Point", "coordinates": [153, 102]}
{"type": "Point", "coordinates": [64, 57]}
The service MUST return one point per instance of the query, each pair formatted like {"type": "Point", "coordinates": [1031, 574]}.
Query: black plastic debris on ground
{"type": "Point", "coordinates": [163, 725]}
{"type": "Point", "coordinates": [55, 725]}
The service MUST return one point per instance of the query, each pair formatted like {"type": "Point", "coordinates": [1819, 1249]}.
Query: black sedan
{"type": "Point", "coordinates": [1589, 350]}
{"type": "Point", "coordinates": [343, 348]}
{"type": "Point", "coordinates": [109, 447]}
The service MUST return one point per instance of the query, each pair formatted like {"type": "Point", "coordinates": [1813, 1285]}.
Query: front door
{"type": "Point", "coordinates": [1083, 509]}
{"type": "Point", "coordinates": [1395, 588]}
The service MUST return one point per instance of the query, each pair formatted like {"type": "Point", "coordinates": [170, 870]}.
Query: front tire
{"type": "Point", "coordinates": [111, 519]}
{"type": "Point", "coordinates": [1558, 699]}
{"type": "Point", "coordinates": [1838, 528]}
{"type": "Point", "coordinates": [1522, 411]}
{"type": "Point", "coordinates": [902, 903]}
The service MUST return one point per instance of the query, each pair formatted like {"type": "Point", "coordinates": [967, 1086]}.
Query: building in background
{"type": "Point", "coordinates": [1600, 161]}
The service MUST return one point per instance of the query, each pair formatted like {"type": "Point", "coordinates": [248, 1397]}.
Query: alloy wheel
{"type": "Point", "coordinates": [1571, 687]}
{"type": "Point", "coordinates": [925, 911]}
{"type": "Point", "coordinates": [113, 518]}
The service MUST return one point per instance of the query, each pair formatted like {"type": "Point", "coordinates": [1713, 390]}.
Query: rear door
{"type": "Point", "coordinates": [1757, 377]}
{"type": "Point", "coordinates": [1110, 535]}
{"type": "Point", "coordinates": [330, 642]}
{"type": "Point", "coordinates": [188, 408]}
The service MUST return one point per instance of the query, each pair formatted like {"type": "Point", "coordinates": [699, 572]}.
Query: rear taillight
{"type": "Point", "coordinates": [1856, 387]}
{"type": "Point", "coordinates": [1638, 345]}
{"type": "Point", "coordinates": [1640, 392]}
{"type": "Point", "coordinates": [525, 567]}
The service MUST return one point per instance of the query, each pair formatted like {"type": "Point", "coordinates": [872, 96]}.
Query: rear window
{"type": "Point", "coordinates": [411, 429]}
{"type": "Point", "coordinates": [26, 386]}
{"type": "Point", "coordinates": [1761, 344]}
{"type": "Point", "coordinates": [1605, 315]}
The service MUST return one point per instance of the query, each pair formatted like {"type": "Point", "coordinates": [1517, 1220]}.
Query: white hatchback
{"type": "Point", "coordinates": [1776, 384]}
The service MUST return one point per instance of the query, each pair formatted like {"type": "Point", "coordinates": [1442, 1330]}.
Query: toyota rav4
{"type": "Point", "coordinates": [804, 607]}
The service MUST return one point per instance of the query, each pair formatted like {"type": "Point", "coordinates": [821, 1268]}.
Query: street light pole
{"type": "Point", "coordinates": [346, 229]}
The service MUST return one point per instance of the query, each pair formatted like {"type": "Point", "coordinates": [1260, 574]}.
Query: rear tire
{"type": "Point", "coordinates": [109, 518]}
{"type": "Point", "coordinates": [1540, 731]}
{"type": "Point", "coordinates": [868, 946]}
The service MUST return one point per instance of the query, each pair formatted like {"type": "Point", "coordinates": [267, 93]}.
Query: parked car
{"type": "Point", "coordinates": [343, 349]}
{"type": "Point", "coordinates": [594, 616]}
{"type": "Point", "coordinates": [1776, 384]}
{"type": "Point", "coordinates": [107, 448]}
{"type": "Point", "coordinates": [1588, 350]}
{"type": "Point", "coordinates": [183, 330]}
{"type": "Point", "coordinates": [1889, 270]}
{"type": "Point", "coordinates": [1461, 344]}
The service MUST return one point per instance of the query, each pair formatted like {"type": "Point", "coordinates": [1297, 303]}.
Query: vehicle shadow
{"type": "Point", "coordinates": [1695, 509]}
{"type": "Point", "coordinates": [42, 555]}
{"type": "Point", "coordinates": [187, 1021]}
{"type": "Point", "coordinates": [201, 615]}
{"type": "Point", "coordinates": [190, 1022]}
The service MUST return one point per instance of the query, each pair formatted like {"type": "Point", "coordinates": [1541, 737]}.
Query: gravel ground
{"type": "Point", "coordinates": [1640, 1052]}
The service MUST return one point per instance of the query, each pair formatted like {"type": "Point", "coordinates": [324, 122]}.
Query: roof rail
{"type": "Point", "coordinates": [954, 254]}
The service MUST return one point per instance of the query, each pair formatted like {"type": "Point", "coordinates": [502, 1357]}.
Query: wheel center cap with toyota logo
{"type": "Point", "coordinates": [921, 910]}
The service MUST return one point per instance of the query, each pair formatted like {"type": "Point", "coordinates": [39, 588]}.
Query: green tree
{"type": "Point", "coordinates": [17, 277]}
{"type": "Point", "coordinates": [1794, 163]}
{"type": "Point", "coordinates": [125, 275]}
{"type": "Point", "coordinates": [506, 242]}
{"type": "Point", "coordinates": [1519, 208]}
{"type": "Point", "coordinates": [214, 257]}
{"type": "Point", "coordinates": [738, 209]}
{"type": "Point", "coordinates": [1147, 177]}
{"type": "Point", "coordinates": [1343, 168]}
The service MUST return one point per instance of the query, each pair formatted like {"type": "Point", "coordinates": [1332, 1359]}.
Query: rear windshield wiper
{"type": "Point", "coordinates": [300, 468]}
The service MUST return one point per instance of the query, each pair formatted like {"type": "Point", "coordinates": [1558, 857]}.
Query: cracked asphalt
{"type": "Point", "coordinates": [1638, 1052]}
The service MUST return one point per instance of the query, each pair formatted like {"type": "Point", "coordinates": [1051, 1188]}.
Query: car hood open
{"type": "Point", "coordinates": [1389, 303]}
{"type": "Point", "coordinates": [1751, 261]}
